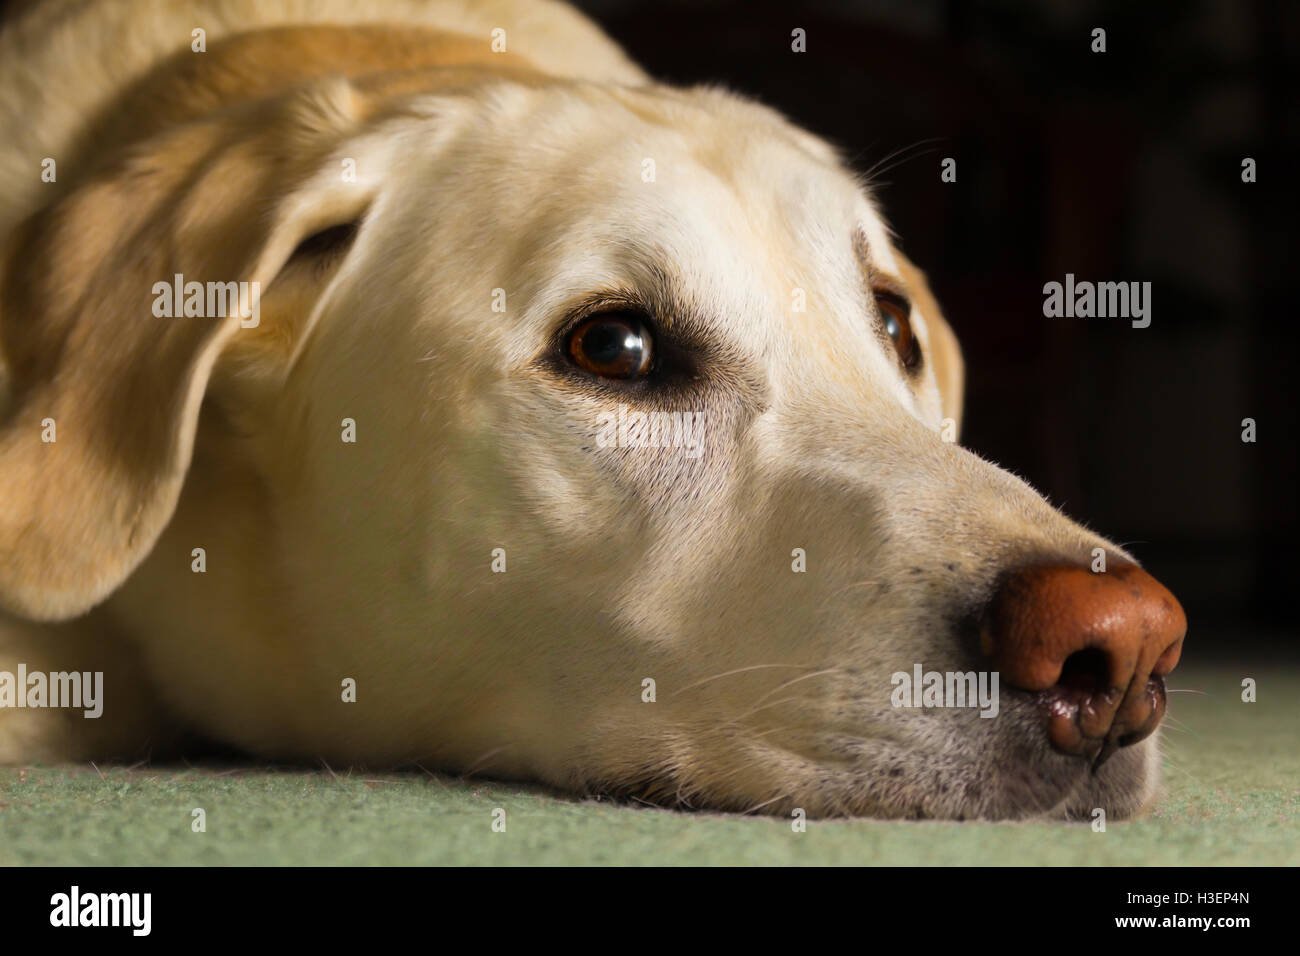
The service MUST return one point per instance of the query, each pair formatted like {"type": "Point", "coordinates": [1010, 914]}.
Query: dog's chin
{"type": "Point", "coordinates": [999, 783]}
{"type": "Point", "coordinates": [1066, 788]}
{"type": "Point", "coordinates": [1036, 782]}
{"type": "Point", "coordinates": [1124, 787]}
{"type": "Point", "coordinates": [1005, 769]}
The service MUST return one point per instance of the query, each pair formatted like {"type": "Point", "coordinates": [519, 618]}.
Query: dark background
{"type": "Point", "coordinates": [1115, 166]}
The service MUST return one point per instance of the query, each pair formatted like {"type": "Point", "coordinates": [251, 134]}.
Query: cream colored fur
{"type": "Point", "coordinates": [372, 561]}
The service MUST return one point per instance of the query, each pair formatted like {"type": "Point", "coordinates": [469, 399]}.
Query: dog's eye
{"type": "Point", "coordinates": [612, 345]}
{"type": "Point", "coordinates": [326, 243]}
{"type": "Point", "coordinates": [896, 312]}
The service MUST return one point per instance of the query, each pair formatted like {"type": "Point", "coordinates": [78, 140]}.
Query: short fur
{"type": "Point", "coordinates": [371, 561]}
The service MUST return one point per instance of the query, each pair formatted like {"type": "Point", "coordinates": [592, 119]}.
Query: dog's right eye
{"type": "Point", "coordinates": [612, 345]}
{"type": "Point", "coordinates": [325, 244]}
{"type": "Point", "coordinates": [896, 312]}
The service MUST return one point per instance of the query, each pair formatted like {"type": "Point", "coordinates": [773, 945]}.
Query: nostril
{"type": "Point", "coordinates": [1094, 648]}
{"type": "Point", "coordinates": [1085, 672]}
{"type": "Point", "coordinates": [1086, 694]}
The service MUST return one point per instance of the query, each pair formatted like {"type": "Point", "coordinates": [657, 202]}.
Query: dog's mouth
{"type": "Point", "coordinates": [1055, 753]}
{"type": "Point", "coordinates": [1093, 722]}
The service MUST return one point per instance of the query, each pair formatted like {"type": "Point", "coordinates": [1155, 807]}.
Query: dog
{"type": "Point", "coordinates": [546, 423]}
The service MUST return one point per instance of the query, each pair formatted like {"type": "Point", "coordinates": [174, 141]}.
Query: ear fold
{"type": "Point", "coordinates": [104, 385]}
{"type": "Point", "coordinates": [944, 351]}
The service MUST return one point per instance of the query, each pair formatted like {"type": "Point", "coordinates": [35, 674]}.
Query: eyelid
{"type": "Point", "coordinates": [891, 292]}
{"type": "Point", "coordinates": [593, 305]}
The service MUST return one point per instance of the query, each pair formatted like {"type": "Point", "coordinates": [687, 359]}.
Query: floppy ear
{"type": "Point", "coordinates": [945, 352]}
{"type": "Point", "coordinates": [104, 387]}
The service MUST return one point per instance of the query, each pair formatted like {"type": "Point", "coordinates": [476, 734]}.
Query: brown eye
{"type": "Point", "coordinates": [612, 345]}
{"type": "Point", "coordinates": [896, 312]}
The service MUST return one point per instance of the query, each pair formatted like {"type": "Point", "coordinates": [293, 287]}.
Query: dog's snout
{"type": "Point", "coordinates": [1095, 647]}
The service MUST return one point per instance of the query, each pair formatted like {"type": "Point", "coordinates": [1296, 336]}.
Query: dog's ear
{"type": "Point", "coordinates": [106, 366]}
{"type": "Point", "coordinates": [945, 352]}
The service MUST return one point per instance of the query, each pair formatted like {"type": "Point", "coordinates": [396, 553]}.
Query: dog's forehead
{"type": "Point", "coordinates": [704, 201]}
{"type": "Point", "coordinates": [718, 182]}
{"type": "Point", "coordinates": [694, 166]}
{"type": "Point", "coordinates": [730, 167]}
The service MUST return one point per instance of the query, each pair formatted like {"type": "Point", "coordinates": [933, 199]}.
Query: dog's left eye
{"type": "Point", "coordinates": [612, 345]}
{"type": "Point", "coordinates": [896, 312]}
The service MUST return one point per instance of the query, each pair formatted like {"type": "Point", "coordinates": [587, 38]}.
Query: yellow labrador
{"type": "Point", "coordinates": [392, 382]}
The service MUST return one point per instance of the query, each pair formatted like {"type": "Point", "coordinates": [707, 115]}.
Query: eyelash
{"type": "Point", "coordinates": [894, 298]}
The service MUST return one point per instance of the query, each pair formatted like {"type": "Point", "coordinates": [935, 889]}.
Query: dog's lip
{"type": "Point", "coordinates": [1074, 721]}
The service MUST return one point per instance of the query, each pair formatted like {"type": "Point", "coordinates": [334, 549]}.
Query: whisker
{"type": "Point", "coordinates": [433, 776]}
{"type": "Point", "coordinates": [760, 806]}
{"type": "Point", "coordinates": [795, 680]}
{"type": "Point", "coordinates": [782, 700]}
{"type": "Point", "coordinates": [869, 582]}
{"type": "Point", "coordinates": [738, 670]}
{"type": "Point", "coordinates": [483, 759]}
{"type": "Point", "coordinates": [898, 156]}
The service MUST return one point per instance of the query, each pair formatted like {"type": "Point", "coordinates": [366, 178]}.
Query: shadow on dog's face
{"type": "Point", "coordinates": [653, 489]}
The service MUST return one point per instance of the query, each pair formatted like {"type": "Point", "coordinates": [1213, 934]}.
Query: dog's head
{"type": "Point", "coordinates": [601, 435]}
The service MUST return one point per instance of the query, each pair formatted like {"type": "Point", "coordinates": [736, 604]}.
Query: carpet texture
{"type": "Point", "coordinates": [1232, 780]}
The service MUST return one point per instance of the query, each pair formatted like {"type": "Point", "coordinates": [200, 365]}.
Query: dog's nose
{"type": "Point", "coordinates": [1095, 646]}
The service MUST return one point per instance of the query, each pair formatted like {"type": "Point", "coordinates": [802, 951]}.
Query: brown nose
{"type": "Point", "coordinates": [1095, 646]}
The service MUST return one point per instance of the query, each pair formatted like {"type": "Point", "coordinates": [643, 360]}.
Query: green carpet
{"type": "Point", "coordinates": [1232, 778]}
